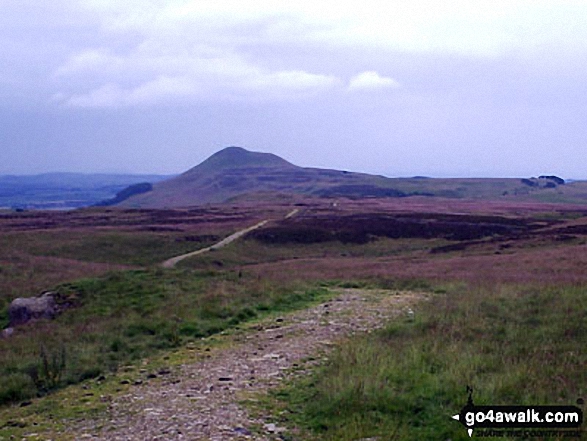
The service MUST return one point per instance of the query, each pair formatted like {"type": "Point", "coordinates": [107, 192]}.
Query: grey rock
{"type": "Point", "coordinates": [23, 310]}
{"type": "Point", "coordinates": [242, 431]}
{"type": "Point", "coordinates": [270, 427]}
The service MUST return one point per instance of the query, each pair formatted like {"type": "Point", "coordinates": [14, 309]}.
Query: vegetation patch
{"type": "Point", "coordinates": [360, 191]}
{"type": "Point", "coordinates": [121, 247]}
{"type": "Point", "coordinates": [142, 187]}
{"type": "Point", "coordinates": [513, 345]}
{"type": "Point", "coordinates": [361, 228]}
{"type": "Point", "coordinates": [126, 316]}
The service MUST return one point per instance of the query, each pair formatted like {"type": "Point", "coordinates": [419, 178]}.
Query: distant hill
{"type": "Point", "coordinates": [235, 172]}
{"type": "Point", "coordinates": [238, 174]}
{"type": "Point", "coordinates": [64, 190]}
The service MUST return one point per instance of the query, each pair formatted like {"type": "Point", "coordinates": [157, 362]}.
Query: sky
{"type": "Point", "coordinates": [451, 88]}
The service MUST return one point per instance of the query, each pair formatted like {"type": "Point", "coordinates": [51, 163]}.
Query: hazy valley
{"type": "Point", "coordinates": [64, 191]}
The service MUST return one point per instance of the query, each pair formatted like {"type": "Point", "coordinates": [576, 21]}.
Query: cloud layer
{"type": "Point", "coordinates": [180, 50]}
{"type": "Point", "coordinates": [401, 87]}
{"type": "Point", "coordinates": [371, 80]}
{"type": "Point", "coordinates": [155, 78]}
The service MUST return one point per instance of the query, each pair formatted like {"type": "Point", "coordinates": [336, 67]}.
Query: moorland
{"type": "Point", "coordinates": [505, 309]}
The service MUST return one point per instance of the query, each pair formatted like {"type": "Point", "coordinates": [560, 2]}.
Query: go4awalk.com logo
{"type": "Point", "coordinates": [520, 420]}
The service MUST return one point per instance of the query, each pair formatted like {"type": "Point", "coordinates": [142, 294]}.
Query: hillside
{"type": "Point", "coordinates": [235, 174]}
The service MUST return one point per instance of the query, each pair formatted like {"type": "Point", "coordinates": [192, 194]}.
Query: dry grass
{"type": "Point", "coordinates": [559, 265]}
{"type": "Point", "coordinates": [23, 275]}
{"type": "Point", "coordinates": [40, 249]}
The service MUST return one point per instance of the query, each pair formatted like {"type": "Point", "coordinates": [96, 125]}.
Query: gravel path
{"type": "Point", "coordinates": [200, 400]}
{"type": "Point", "coordinates": [170, 263]}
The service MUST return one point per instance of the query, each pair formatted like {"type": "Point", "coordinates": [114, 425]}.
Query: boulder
{"type": "Point", "coordinates": [22, 310]}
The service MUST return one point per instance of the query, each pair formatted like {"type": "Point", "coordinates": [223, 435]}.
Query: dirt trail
{"type": "Point", "coordinates": [200, 400]}
{"type": "Point", "coordinates": [292, 213]}
{"type": "Point", "coordinates": [170, 263]}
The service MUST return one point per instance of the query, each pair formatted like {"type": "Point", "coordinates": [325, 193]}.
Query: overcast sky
{"type": "Point", "coordinates": [401, 88]}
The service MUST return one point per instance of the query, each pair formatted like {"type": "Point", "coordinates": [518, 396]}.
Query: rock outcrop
{"type": "Point", "coordinates": [23, 310]}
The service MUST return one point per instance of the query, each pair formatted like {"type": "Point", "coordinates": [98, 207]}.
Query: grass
{"type": "Point", "coordinates": [128, 315]}
{"type": "Point", "coordinates": [509, 332]}
{"type": "Point", "coordinates": [115, 247]}
{"type": "Point", "coordinates": [23, 275]}
{"type": "Point", "coordinates": [251, 252]}
{"type": "Point", "coordinates": [31, 262]}
{"type": "Point", "coordinates": [57, 415]}
{"type": "Point", "coordinates": [513, 345]}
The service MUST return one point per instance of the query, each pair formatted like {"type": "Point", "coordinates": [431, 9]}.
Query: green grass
{"type": "Point", "coordinates": [126, 316]}
{"type": "Point", "coordinates": [250, 252]}
{"type": "Point", "coordinates": [512, 345]}
{"type": "Point", "coordinates": [115, 247]}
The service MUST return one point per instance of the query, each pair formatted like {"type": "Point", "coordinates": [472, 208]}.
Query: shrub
{"type": "Point", "coordinates": [16, 387]}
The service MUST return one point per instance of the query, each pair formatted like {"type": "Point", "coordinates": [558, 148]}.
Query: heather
{"type": "Point", "coordinates": [505, 314]}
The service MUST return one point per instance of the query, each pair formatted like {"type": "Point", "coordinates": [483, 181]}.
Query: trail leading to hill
{"type": "Point", "coordinates": [201, 399]}
{"type": "Point", "coordinates": [170, 263]}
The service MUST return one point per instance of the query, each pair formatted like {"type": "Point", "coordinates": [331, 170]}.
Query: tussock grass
{"type": "Point", "coordinates": [128, 315]}
{"type": "Point", "coordinates": [513, 345]}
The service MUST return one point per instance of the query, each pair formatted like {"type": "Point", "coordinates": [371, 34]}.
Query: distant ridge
{"type": "Point", "coordinates": [236, 173]}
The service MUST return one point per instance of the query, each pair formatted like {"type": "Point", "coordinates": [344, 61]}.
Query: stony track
{"type": "Point", "coordinates": [206, 399]}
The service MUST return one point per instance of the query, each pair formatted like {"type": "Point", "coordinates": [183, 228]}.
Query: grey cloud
{"type": "Point", "coordinates": [158, 85]}
{"type": "Point", "coordinates": [220, 80]}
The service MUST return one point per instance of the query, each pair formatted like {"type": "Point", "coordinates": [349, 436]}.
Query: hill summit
{"type": "Point", "coordinates": [234, 172]}
{"type": "Point", "coordinates": [238, 157]}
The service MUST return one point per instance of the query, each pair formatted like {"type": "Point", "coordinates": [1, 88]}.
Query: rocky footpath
{"type": "Point", "coordinates": [202, 400]}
